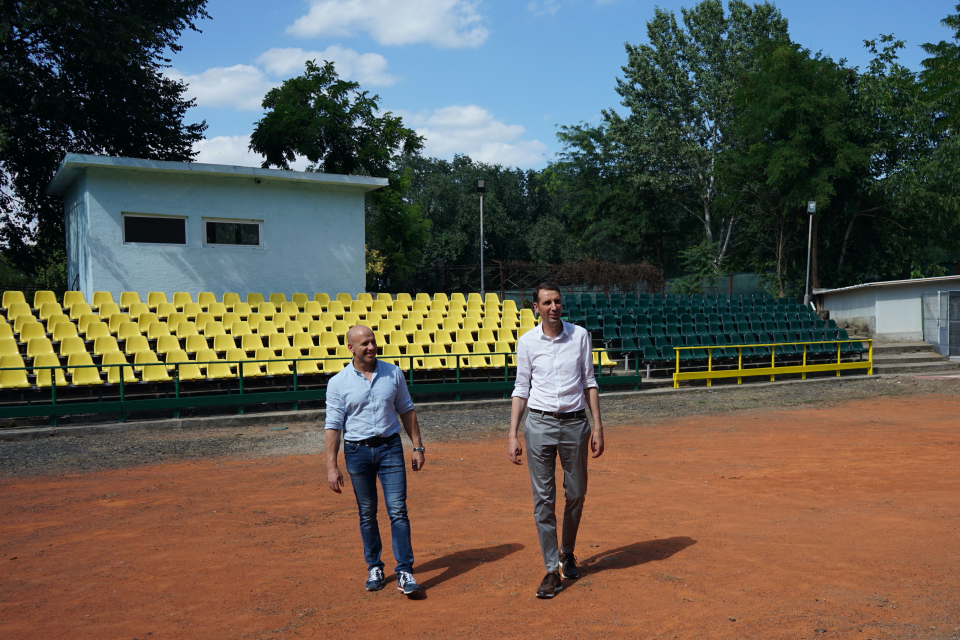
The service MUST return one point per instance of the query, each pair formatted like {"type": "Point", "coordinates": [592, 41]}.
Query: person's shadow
{"type": "Point", "coordinates": [459, 562]}
{"type": "Point", "coordinates": [635, 554]}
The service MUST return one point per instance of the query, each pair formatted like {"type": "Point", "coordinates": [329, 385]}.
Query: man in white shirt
{"type": "Point", "coordinates": [555, 381]}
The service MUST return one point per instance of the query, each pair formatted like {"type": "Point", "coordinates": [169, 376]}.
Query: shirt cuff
{"type": "Point", "coordinates": [520, 393]}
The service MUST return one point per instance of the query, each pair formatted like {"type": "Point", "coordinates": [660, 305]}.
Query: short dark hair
{"type": "Point", "coordinates": [544, 286]}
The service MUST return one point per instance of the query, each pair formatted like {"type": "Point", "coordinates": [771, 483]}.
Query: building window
{"type": "Point", "coordinates": [154, 229]}
{"type": "Point", "coordinates": [232, 232]}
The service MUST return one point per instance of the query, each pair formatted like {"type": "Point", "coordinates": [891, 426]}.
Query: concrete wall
{"type": "Point", "coordinates": [312, 236]}
{"type": "Point", "coordinates": [77, 225]}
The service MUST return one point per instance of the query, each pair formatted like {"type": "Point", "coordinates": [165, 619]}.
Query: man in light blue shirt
{"type": "Point", "coordinates": [368, 401]}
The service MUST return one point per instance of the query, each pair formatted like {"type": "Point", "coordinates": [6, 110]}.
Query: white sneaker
{"type": "Point", "coordinates": [406, 583]}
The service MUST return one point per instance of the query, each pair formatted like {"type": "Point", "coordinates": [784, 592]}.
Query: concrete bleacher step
{"type": "Point", "coordinates": [910, 358]}
{"type": "Point", "coordinates": [889, 348]}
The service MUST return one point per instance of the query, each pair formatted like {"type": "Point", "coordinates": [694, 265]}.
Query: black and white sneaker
{"type": "Point", "coordinates": [568, 567]}
{"type": "Point", "coordinates": [376, 580]}
{"type": "Point", "coordinates": [406, 583]}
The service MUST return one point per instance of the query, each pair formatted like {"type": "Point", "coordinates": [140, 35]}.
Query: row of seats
{"type": "Point", "coordinates": [616, 302]}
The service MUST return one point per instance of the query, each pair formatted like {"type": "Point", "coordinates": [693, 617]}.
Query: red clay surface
{"type": "Point", "coordinates": [839, 522]}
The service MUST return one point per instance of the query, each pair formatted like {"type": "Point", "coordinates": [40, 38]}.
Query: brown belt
{"type": "Point", "coordinates": [559, 415]}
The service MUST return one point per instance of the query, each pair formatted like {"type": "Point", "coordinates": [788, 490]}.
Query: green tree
{"type": "Point", "coordinates": [339, 129]}
{"type": "Point", "coordinates": [941, 73]}
{"type": "Point", "coordinates": [678, 90]}
{"type": "Point", "coordinates": [82, 76]}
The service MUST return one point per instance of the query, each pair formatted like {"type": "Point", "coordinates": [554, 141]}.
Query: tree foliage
{"type": "Point", "coordinates": [83, 76]}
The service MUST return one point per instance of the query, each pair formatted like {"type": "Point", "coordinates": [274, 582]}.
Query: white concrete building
{"type": "Point", "coordinates": [891, 311]}
{"type": "Point", "coordinates": [143, 225]}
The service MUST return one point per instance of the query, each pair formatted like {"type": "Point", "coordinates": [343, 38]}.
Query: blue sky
{"type": "Point", "coordinates": [487, 78]}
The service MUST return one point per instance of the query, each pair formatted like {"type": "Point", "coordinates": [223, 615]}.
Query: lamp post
{"type": "Point", "coordinates": [811, 210]}
{"type": "Point", "coordinates": [481, 188]}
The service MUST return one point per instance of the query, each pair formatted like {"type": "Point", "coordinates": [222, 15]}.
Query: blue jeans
{"type": "Point", "coordinates": [365, 465]}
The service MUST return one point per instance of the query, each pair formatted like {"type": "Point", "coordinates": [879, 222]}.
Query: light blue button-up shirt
{"type": "Point", "coordinates": [363, 409]}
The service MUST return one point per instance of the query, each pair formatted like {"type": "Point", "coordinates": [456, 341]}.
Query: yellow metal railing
{"type": "Point", "coordinates": [740, 372]}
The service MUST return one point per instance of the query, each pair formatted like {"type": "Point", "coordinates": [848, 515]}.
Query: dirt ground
{"type": "Point", "coordinates": [812, 520]}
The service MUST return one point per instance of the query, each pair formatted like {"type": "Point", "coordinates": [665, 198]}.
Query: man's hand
{"type": "Point", "coordinates": [334, 479]}
{"type": "Point", "coordinates": [596, 443]}
{"type": "Point", "coordinates": [418, 460]}
{"type": "Point", "coordinates": [515, 450]}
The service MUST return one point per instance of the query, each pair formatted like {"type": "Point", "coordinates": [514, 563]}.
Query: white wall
{"type": "Point", "coordinates": [312, 235]}
{"type": "Point", "coordinates": [77, 224]}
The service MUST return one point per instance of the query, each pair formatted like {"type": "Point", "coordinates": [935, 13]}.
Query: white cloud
{"type": "Point", "coordinates": [368, 69]}
{"type": "Point", "coordinates": [473, 131]}
{"type": "Point", "coordinates": [448, 24]}
{"type": "Point", "coordinates": [243, 86]}
{"type": "Point", "coordinates": [544, 8]}
{"type": "Point", "coordinates": [233, 151]}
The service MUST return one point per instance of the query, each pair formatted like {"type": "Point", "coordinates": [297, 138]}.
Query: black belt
{"type": "Point", "coordinates": [559, 415]}
{"type": "Point", "coordinates": [375, 441]}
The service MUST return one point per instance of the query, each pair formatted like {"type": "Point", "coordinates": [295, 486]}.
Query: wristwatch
{"type": "Point", "coordinates": [419, 449]}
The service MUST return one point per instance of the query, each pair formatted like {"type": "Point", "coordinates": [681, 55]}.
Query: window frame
{"type": "Point", "coordinates": [259, 223]}
{"type": "Point", "coordinates": [129, 214]}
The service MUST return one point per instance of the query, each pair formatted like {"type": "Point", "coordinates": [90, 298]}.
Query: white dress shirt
{"type": "Point", "coordinates": [553, 373]}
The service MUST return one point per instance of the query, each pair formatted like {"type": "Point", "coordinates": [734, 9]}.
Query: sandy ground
{"type": "Point", "coordinates": [826, 520]}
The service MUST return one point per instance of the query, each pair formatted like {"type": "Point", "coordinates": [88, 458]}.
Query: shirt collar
{"type": "Point", "coordinates": [544, 336]}
{"type": "Point", "coordinates": [376, 369]}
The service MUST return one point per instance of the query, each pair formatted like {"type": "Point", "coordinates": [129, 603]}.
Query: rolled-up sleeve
{"type": "Point", "coordinates": [401, 399]}
{"type": "Point", "coordinates": [521, 387]}
{"type": "Point", "coordinates": [586, 360]}
{"type": "Point", "coordinates": [335, 408]}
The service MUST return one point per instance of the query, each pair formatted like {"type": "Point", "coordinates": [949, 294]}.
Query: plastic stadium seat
{"type": "Point", "coordinates": [289, 308]}
{"type": "Point", "coordinates": [336, 308]}
{"type": "Point", "coordinates": [328, 340]}
{"type": "Point", "coordinates": [302, 341]}
{"type": "Point", "coordinates": [464, 336]}
{"type": "Point", "coordinates": [115, 320]}
{"type": "Point", "coordinates": [421, 336]}
{"type": "Point", "coordinates": [291, 327]}
{"type": "Point", "coordinates": [38, 347]}
{"type": "Point", "coordinates": [398, 337]}
{"type": "Point", "coordinates": [104, 345]}
{"type": "Point", "coordinates": [49, 309]}
{"type": "Point", "coordinates": [214, 328]}
{"type": "Point", "coordinates": [84, 321]}
{"type": "Point", "coordinates": [30, 330]}
{"type": "Point", "coordinates": [127, 330]}
{"type": "Point", "coordinates": [299, 299]}
{"type": "Point", "coordinates": [107, 309]}
{"type": "Point", "coordinates": [254, 299]}
{"type": "Point", "coordinates": [266, 328]}
{"type": "Point", "coordinates": [340, 328]}
{"type": "Point", "coordinates": [223, 343]}
{"type": "Point", "coordinates": [276, 365]}
{"type": "Point", "coordinates": [435, 359]}
{"type": "Point", "coordinates": [166, 344]}
{"type": "Point", "coordinates": [391, 355]}
{"type": "Point", "coordinates": [114, 372]}
{"type": "Point", "coordinates": [6, 330]}
{"type": "Point", "coordinates": [358, 307]}
{"type": "Point", "coordinates": [459, 352]}
{"type": "Point", "coordinates": [181, 298]}
{"type": "Point", "coordinates": [322, 298]}
{"type": "Point", "coordinates": [281, 319]}
{"type": "Point", "coordinates": [212, 366]}
{"type": "Point", "coordinates": [11, 298]}
{"type": "Point", "coordinates": [63, 330]}
{"type": "Point", "coordinates": [240, 328]}
{"type": "Point", "coordinates": [81, 374]}
{"type": "Point", "coordinates": [420, 306]}
{"type": "Point", "coordinates": [451, 325]}
{"type": "Point", "coordinates": [380, 306]}
{"type": "Point", "coordinates": [137, 309]}
{"type": "Point", "coordinates": [312, 308]}
{"type": "Point", "coordinates": [186, 369]}
{"type": "Point", "coordinates": [230, 300]}
{"type": "Point", "coordinates": [267, 309]}
{"type": "Point", "coordinates": [151, 370]}
{"type": "Point", "coordinates": [243, 309]}
{"type": "Point", "coordinates": [315, 328]}
{"type": "Point", "coordinates": [216, 310]}
{"type": "Point", "coordinates": [186, 328]}
{"type": "Point", "coordinates": [134, 344]}
{"type": "Point", "coordinates": [144, 320]}
{"type": "Point", "coordinates": [72, 297]}
{"type": "Point", "coordinates": [155, 299]}
{"type": "Point", "coordinates": [205, 299]}
{"type": "Point", "coordinates": [250, 342]}
{"type": "Point", "coordinates": [191, 310]}
{"type": "Point", "coordinates": [408, 326]}
{"type": "Point", "coordinates": [157, 329]}
{"type": "Point", "coordinates": [278, 341]}
{"type": "Point", "coordinates": [304, 319]}
{"type": "Point", "coordinates": [303, 367]}
{"type": "Point", "coordinates": [14, 375]}
{"type": "Point", "coordinates": [43, 375]}
{"type": "Point", "coordinates": [128, 298]}
{"type": "Point", "coordinates": [321, 353]}
{"type": "Point", "coordinates": [195, 343]}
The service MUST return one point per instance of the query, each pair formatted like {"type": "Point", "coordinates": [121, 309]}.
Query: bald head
{"type": "Point", "coordinates": [357, 333]}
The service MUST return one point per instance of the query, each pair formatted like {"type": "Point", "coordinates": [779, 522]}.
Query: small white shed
{"type": "Point", "coordinates": [143, 225]}
{"type": "Point", "coordinates": [891, 311]}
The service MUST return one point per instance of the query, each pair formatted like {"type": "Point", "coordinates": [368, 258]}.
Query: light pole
{"type": "Point", "coordinates": [481, 188]}
{"type": "Point", "coordinates": [811, 210]}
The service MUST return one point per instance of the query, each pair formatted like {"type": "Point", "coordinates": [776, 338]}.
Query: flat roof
{"type": "Point", "coordinates": [74, 164]}
{"type": "Point", "coordinates": [889, 283]}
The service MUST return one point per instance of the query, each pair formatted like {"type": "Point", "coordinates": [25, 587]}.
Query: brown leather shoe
{"type": "Point", "coordinates": [550, 586]}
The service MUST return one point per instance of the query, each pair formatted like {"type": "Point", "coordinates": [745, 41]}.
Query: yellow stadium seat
{"type": "Point", "coordinates": [289, 308]}
{"type": "Point", "coordinates": [275, 365]}
{"type": "Point", "coordinates": [186, 328]}
{"type": "Point", "coordinates": [21, 320]}
{"type": "Point", "coordinates": [422, 337]}
{"type": "Point", "coordinates": [116, 320]}
{"type": "Point", "coordinates": [399, 337]}
{"type": "Point", "coordinates": [155, 299]}
{"type": "Point", "coordinates": [509, 305]}
{"type": "Point", "coordinates": [192, 310]}
{"type": "Point", "coordinates": [430, 325]}
{"type": "Point", "coordinates": [215, 368]}
{"type": "Point", "coordinates": [137, 309]}
{"type": "Point", "coordinates": [38, 347]}
{"type": "Point", "coordinates": [6, 331]}
{"type": "Point", "coordinates": [250, 342]}
{"type": "Point", "coordinates": [195, 344]}
{"type": "Point", "coordinates": [413, 350]}
{"type": "Point", "coordinates": [104, 345]}
{"type": "Point", "coordinates": [9, 347]}
{"type": "Point", "coordinates": [63, 330]}
{"type": "Point", "coordinates": [243, 309]}
{"type": "Point", "coordinates": [254, 299]}
{"type": "Point", "coordinates": [464, 336]}
{"type": "Point", "coordinates": [216, 309]}
{"type": "Point", "coordinates": [144, 320]}
{"type": "Point", "coordinates": [31, 330]}
{"type": "Point", "coordinates": [134, 344]}
{"type": "Point", "coordinates": [600, 358]}
{"type": "Point", "coordinates": [474, 305]}
{"type": "Point", "coordinates": [404, 296]}
{"type": "Point", "coordinates": [228, 319]}
{"type": "Point", "coordinates": [456, 309]}
{"type": "Point", "coordinates": [451, 325]}
{"type": "Point", "coordinates": [471, 324]}
{"type": "Point", "coordinates": [304, 319]}
{"type": "Point", "coordinates": [43, 375]}
{"type": "Point", "coordinates": [396, 318]}
{"type": "Point", "coordinates": [72, 297]}
{"type": "Point", "coordinates": [490, 322]}
{"type": "Point", "coordinates": [85, 321]}
{"type": "Point", "coordinates": [205, 299]}
{"type": "Point", "coordinates": [322, 298]}
{"type": "Point", "coordinates": [508, 322]}
{"type": "Point", "coordinates": [442, 337]}
{"type": "Point", "coordinates": [49, 309]}
{"type": "Point", "coordinates": [401, 306]}
{"type": "Point", "coordinates": [82, 374]}
{"type": "Point", "coordinates": [266, 328]}
{"type": "Point", "coordinates": [291, 327]}
{"type": "Point", "coordinates": [461, 351]}
{"type": "Point", "coordinates": [340, 328]}
{"type": "Point", "coordinates": [457, 297]}
{"type": "Point", "coordinates": [302, 341]}
{"type": "Point", "coordinates": [500, 361]}
{"type": "Point", "coordinates": [386, 326]}
{"type": "Point", "coordinates": [127, 330]}
{"type": "Point", "coordinates": [18, 309]}
{"type": "Point", "coordinates": [435, 360]}
{"type": "Point", "coordinates": [166, 309]}
{"type": "Point", "coordinates": [181, 298]}
{"type": "Point", "coordinates": [240, 328]}
{"type": "Point", "coordinates": [313, 308]}
{"type": "Point", "coordinates": [492, 299]}
{"type": "Point", "coordinates": [281, 319]}
{"type": "Point", "coordinates": [14, 374]}
{"type": "Point", "coordinates": [70, 346]}
{"type": "Point", "coordinates": [315, 328]}
{"type": "Point", "coordinates": [13, 297]}
{"type": "Point", "coordinates": [408, 326]}
{"type": "Point", "coordinates": [506, 335]}
{"type": "Point", "coordinates": [107, 309]}
{"type": "Point", "coordinates": [184, 368]}
{"type": "Point", "coordinates": [380, 306]}
{"type": "Point", "coordinates": [328, 319]}
{"type": "Point", "coordinates": [166, 344]}
{"type": "Point", "coordinates": [223, 343]}
{"type": "Point", "coordinates": [52, 321]}
{"type": "Point", "coordinates": [213, 328]}
{"type": "Point", "coordinates": [122, 368]}
{"type": "Point", "coordinates": [255, 319]}
{"type": "Point", "coordinates": [231, 300]}
{"type": "Point", "coordinates": [328, 340]}
{"type": "Point", "coordinates": [151, 369]}
{"type": "Point", "coordinates": [478, 359]}
{"type": "Point", "coordinates": [523, 330]}
{"type": "Point", "coordinates": [300, 299]}
{"type": "Point", "coordinates": [100, 298]}
{"type": "Point", "coordinates": [421, 306]}
{"type": "Point", "coordinates": [358, 307]}
{"type": "Point", "coordinates": [351, 318]}
{"type": "Point", "coordinates": [391, 353]}
{"type": "Point", "coordinates": [318, 352]}
{"type": "Point", "coordinates": [304, 367]}
{"type": "Point", "coordinates": [156, 330]}
{"type": "Point", "coordinates": [128, 299]}
{"type": "Point", "coordinates": [248, 369]}
{"type": "Point", "coordinates": [486, 336]}
{"type": "Point", "coordinates": [344, 298]}
{"type": "Point", "coordinates": [278, 341]}
{"type": "Point", "coordinates": [267, 309]}
{"type": "Point", "coordinates": [277, 299]}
